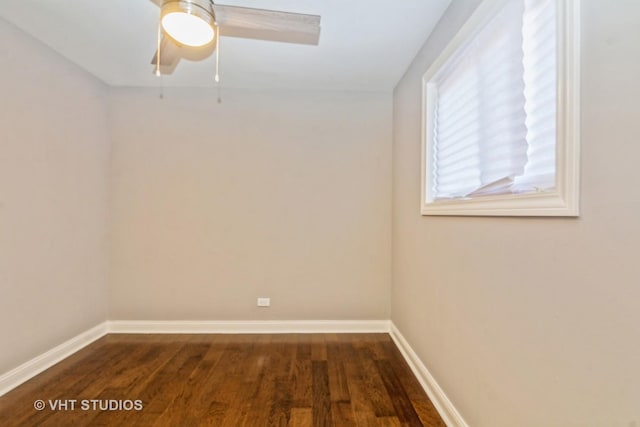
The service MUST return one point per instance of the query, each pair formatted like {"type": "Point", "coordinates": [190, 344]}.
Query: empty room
{"type": "Point", "coordinates": [320, 213]}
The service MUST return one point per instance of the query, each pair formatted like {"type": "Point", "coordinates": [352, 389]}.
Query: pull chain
{"type": "Point", "coordinates": [217, 53]}
{"type": "Point", "coordinates": [218, 62]}
{"type": "Point", "coordinates": [158, 73]}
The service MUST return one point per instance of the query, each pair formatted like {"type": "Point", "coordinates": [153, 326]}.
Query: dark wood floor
{"type": "Point", "coordinates": [227, 380]}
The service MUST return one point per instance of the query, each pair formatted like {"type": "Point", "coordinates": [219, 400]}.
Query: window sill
{"type": "Point", "coordinates": [532, 204]}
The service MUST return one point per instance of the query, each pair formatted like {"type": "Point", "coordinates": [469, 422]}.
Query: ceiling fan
{"type": "Point", "coordinates": [191, 29]}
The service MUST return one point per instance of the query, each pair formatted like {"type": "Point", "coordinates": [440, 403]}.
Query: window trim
{"type": "Point", "coordinates": [564, 199]}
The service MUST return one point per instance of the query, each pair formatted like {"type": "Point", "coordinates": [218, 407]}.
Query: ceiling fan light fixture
{"type": "Point", "coordinates": [188, 22]}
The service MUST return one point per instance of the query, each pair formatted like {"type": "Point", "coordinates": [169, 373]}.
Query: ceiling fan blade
{"type": "Point", "coordinates": [170, 55]}
{"type": "Point", "coordinates": [267, 24]}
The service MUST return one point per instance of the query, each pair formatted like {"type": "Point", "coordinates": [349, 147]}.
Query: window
{"type": "Point", "coordinates": [501, 114]}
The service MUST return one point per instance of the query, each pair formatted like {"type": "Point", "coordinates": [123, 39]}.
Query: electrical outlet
{"type": "Point", "coordinates": [264, 302]}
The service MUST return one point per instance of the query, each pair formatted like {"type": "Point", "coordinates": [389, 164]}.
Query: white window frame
{"type": "Point", "coordinates": [564, 199]}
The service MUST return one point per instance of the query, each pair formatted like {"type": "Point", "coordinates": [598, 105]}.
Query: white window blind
{"type": "Point", "coordinates": [494, 115]}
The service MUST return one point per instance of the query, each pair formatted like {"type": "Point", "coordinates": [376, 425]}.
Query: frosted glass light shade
{"type": "Point", "coordinates": [188, 23]}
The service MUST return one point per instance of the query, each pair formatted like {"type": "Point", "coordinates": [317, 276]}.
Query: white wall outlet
{"type": "Point", "coordinates": [264, 302]}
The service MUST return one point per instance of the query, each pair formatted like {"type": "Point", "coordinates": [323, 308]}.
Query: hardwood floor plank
{"type": "Point", "coordinates": [197, 390]}
{"type": "Point", "coordinates": [338, 383]}
{"type": "Point", "coordinates": [321, 398]}
{"type": "Point", "coordinates": [389, 422]}
{"type": "Point", "coordinates": [301, 417]}
{"type": "Point", "coordinates": [342, 413]}
{"type": "Point", "coordinates": [404, 409]}
{"type": "Point", "coordinates": [230, 380]}
{"type": "Point", "coordinates": [280, 411]}
{"type": "Point", "coordinates": [341, 409]}
{"type": "Point", "coordinates": [167, 385]}
{"type": "Point", "coordinates": [362, 407]}
{"type": "Point", "coordinates": [318, 347]}
{"type": "Point", "coordinates": [301, 376]}
{"type": "Point", "coordinates": [375, 387]}
{"type": "Point", "coordinates": [428, 414]}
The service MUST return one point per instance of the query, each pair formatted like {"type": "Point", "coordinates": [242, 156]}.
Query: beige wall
{"type": "Point", "coordinates": [278, 194]}
{"type": "Point", "coordinates": [53, 199]}
{"type": "Point", "coordinates": [531, 321]}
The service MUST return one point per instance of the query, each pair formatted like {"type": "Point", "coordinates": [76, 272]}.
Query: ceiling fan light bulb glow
{"type": "Point", "coordinates": [187, 29]}
{"type": "Point", "coordinates": [188, 22]}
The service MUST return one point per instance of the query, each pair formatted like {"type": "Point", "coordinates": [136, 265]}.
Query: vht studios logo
{"type": "Point", "coordinates": [88, 405]}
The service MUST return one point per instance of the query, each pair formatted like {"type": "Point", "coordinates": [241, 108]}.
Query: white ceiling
{"type": "Point", "coordinates": [364, 44]}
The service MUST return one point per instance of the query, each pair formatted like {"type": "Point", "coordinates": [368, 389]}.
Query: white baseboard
{"type": "Point", "coordinates": [33, 367]}
{"type": "Point", "coordinates": [443, 405]}
{"type": "Point", "coordinates": [247, 327]}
